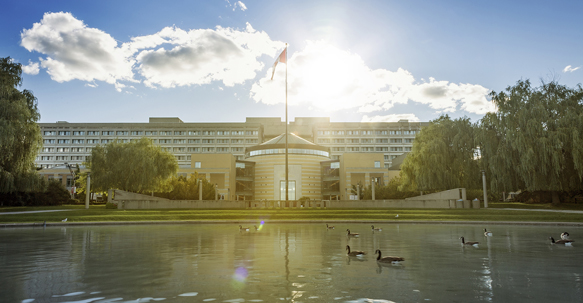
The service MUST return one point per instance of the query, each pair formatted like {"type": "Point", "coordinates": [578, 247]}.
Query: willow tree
{"type": "Point", "coordinates": [138, 166]}
{"type": "Point", "coordinates": [443, 157]}
{"type": "Point", "coordinates": [534, 141]}
{"type": "Point", "coordinates": [20, 136]}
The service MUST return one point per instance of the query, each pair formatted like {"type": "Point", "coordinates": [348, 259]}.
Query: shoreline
{"type": "Point", "coordinates": [111, 223]}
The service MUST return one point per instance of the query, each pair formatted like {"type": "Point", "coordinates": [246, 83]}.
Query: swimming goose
{"type": "Point", "coordinates": [487, 233]}
{"type": "Point", "coordinates": [329, 227]}
{"type": "Point", "coordinates": [352, 235]}
{"type": "Point", "coordinates": [389, 259]}
{"type": "Point", "coordinates": [354, 253]}
{"type": "Point", "coordinates": [375, 229]}
{"type": "Point", "coordinates": [565, 236]}
{"type": "Point", "coordinates": [566, 242]}
{"type": "Point", "coordinates": [469, 243]}
{"type": "Point", "coordinates": [256, 228]}
{"type": "Point", "coordinates": [243, 228]}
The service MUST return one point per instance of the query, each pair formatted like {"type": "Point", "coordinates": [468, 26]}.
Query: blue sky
{"type": "Point", "coordinates": [352, 61]}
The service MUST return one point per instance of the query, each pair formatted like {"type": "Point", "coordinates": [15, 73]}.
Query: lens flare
{"type": "Point", "coordinates": [240, 274]}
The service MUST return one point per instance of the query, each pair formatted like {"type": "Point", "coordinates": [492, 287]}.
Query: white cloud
{"type": "Point", "coordinates": [241, 5]}
{"type": "Point", "coordinates": [568, 69]}
{"type": "Point", "coordinates": [391, 118]}
{"type": "Point", "coordinates": [32, 68]}
{"type": "Point", "coordinates": [202, 56]}
{"type": "Point", "coordinates": [328, 78]}
{"type": "Point", "coordinates": [75, 51]}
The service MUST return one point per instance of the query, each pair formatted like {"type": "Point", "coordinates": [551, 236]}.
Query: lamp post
{"type": "Point", "coordinates": [88, 190]}
{"type": "Point", "coordinates": [216, 193]}
{"type": "Point", "coordinates": [200, 189]}
{"type": "Point", "coordinates": [373, 188]}
{"type": "Point", "coordinates": [484, 188]}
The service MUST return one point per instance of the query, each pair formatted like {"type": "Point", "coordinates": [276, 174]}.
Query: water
{"type": "Point", "coordinates": [287, 263]}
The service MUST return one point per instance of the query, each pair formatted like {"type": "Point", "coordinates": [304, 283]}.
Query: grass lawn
{"type": "Point", "coordinates": [98, 213]}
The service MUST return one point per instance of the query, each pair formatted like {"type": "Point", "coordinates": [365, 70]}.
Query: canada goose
{"type": "Point", "coordinates": [469, 243]}
{"type": "Point", "coordinates": [256, 228]}
{"type": "Point", "coordinates": [352, 235]}
{"type": "Point", "coordinates": [243, 228]}
{"type": "Point", "coordinates": [389, 259]}
{"type": "Point", "coordinates": [354, 253]}
{"type": "Point", "coordinates": [329, 227]}
{"type": "Point", "coordinates": [375, 229]}
{"type": "Point", "coordinates": [566, 242]}
{"type": "Point", "coordinates": [487, 233]}
{"type": "Point", "coordinates": [565, 236]}
{"type": "Point", "coordinates": [64, 220]}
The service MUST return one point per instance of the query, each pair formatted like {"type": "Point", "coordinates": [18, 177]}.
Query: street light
{"type": "Point", "coordinates": [484, 188]}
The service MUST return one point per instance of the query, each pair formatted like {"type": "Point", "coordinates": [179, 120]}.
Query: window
{"type": "Point", "coordinates": [386, 157]}
{"type": "Point", "coordinates": [191, 141]}
{"type": "Point", "coordinates": [165, 133]}
{"type": "Point", "coordinates": [251, 133]}
{"type": "Point", "coordinates": [193, 149]}
{"type": "Point", "coordinates": [88, 149]}
{"type": "Point", "coordinates": [50, 133]}
{"type": "Point", "coordinates": [122, 133]}
{"type": "Point", "coordinates": [197, 165]}
{"type": "Point", "coordinates": [381, 132]}
{"type": "Point", "coordinates": [180, 141]}
{"type": "Point", "coordinates": [223, 141]}
{"type": "Point", "coordinates": [48, 149]}
{"type": "Point", "coordinates": [137, 133]}
{"type": "Point", "coordinates": [180, 133]}
{"type": "Point", "coordinates": [165, 141]}
{"type": "Point", "coordinates": [92, 141]}
{"type": "Point", "coordinates": [353, 141]}
{"type": "Point", "coordinates": [252, 141]}
{"type": "Point", "coordinates": [407, 148]}
{"type": "Point", "coordinates": [396, 140]}
{"type": "Point", "coordinates": [382, 141]}
{"type": "Point", "coordinates": [377, 164]}
{"type": "Point", "coordinates": [324, 132]}
{"type": "Point", "coordinates": [92, 133]}
{"type": "Point", "coordinates": [193, 133]}
{"type": "Point", "coordinates": [335, 165]}
{"type": "Point", "coordinates": [46, 158]}
{"type": "Point", "coordinates": [105, 141]}
{"type": "Point", "coordinates": [78, 133]}
{"type": "Point", "coordinates": [78, 141]}
{"type": "Point", "coordinates": [291, 190]}
{"type": "Point", "coordinates": [405, 132]}
{"type": "Point", "coordinates": [180, 149]}
{"type": "Point", "coordinates": [61, 158]}
{"type": "Point", "coordinates": [222, 149]}
{"type": "Point", "coordinates": [396, 149]}
{"type": "Point", "coordinates": [367, 149]}
{"type": "Point", "coordinates": [77, 158]}
{"type": "Point", "coordinates": [338, 141]}
{"type": "Point", "coordinates": [338, 132]}
{"type": "Point", "coordinates": [237, 141]}
{"type": "Point", "coordinates": [107, 133]}
{"type": "Point", "coordinates": [352, 149]}
{"type": "Point", "coordinates": [49, 141]}
{"type": "Point", "coordinates": [208, 149]}
{"type": "Point", "coordinates": [352, 132]}
{"type": "Point", "coordinates": [323, 141]}
{"type": "Point", "coordinates": [64, 133]}
{"type": "Point", "coordinates": [366, 141]}
{"type": "Point", "coordinates": [409, 140]}
{"type": "Point", "coordinates": [381, 148]}
{"type": "Point", "coordinates": [238, 133]}
{"type": "Point", "coordinates": [63, 150]}
{"type": "Point", "coordinates": [151, 133]}
{"type": "Point", "coordinates": [208, 141]}
{"type": "Point", "coordinates": [338, 149]}
{"type": "Point", "coordinates": [180, 158]}
{"type": "Point", "coordinates": [63, 141]}
{"type": "Point", "coordinates": [222, 133]}
{"type": "Point", "coordinates": [236, 149]}
{"type": "Point", "coordinates": [208, 133]}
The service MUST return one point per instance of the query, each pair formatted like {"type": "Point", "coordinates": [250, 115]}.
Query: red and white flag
{"type": "Point", "coordinates": [282, 58]}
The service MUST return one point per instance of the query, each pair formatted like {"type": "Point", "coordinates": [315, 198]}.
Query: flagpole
{"type": "Point", "coordinates": [286, 161]}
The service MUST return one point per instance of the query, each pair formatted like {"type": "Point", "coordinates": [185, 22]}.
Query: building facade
{"type": "Point", "coordinates": [243, 159]}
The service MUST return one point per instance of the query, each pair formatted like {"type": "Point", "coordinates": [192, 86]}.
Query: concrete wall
{"type": "Point", "coordinates": [129, 196]}
{"type": "Point", "coordinates": [333, 204]}
{"type": "Point", "coordinates": [455, 194]}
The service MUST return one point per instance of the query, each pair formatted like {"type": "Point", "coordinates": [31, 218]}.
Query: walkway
{"type": "Point", "coordinates": [32, 211]}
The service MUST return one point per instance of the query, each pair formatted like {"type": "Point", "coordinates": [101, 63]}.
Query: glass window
{"type": "Point", "coordinates": [377, 164]}
{"type": "Point", "coordinates": [291, 190]}
{"type": "Point", "coordinates": [197, 165]}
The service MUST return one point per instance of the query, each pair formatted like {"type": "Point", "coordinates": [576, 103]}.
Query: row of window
{"type": "Point", "coordinates": [62, 158]}
{"type": "Point", "coordinates": [364, 141]}
{"type": "Point", "coordinates": [366, 132]}
{"type": "Point", "coordinates": [66, 149]}
{"type": "Point", "coordinates": [153, 133]}
{"type": "Point", "coordinates": [161, 141]}
{"type": "Point", "coordinates": [370, 149]}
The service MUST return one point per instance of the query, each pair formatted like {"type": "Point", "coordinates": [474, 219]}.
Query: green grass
{"type": "Point", "coordinates": [99, 213]}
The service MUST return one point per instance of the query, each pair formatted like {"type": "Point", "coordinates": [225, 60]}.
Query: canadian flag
{"type": "Point", "coordinates": [282, 58]}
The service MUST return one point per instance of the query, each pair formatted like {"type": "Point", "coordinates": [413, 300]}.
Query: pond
{"type": "Point", "coordinates": [288, 263]}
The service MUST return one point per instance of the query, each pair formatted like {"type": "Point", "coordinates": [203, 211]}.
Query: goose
{"type": "Point", "coordinates": [256, 228]}
{"type": "Point", "coordinates": [469, 243]}
{"type": "Point", "coordinates": [243, 228]}
{"type": "Point", "coordinates": [389, 259]}
{"type": "Point", "coordinates": [329, 227]}
{"type": "Point", "coordinates": [565, 236]}
{"type": "Point", "coordinates": [375, 229]}
{"type": "Point", "coordinates": [354, 253]}
{"type": "Point", "coordinates": [566, 242]}
{"type": "Point", "coordinates": [487, 233]}
{"type": "Point", "coordinates": [64, 220]}
{"type": "Point", "coordinates": [352, 235]}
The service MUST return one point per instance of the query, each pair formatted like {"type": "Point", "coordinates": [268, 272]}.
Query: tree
{"type": "Point", "coordinates": [182, 188]}
{"type": "Point", "coordinates": [20, 136]}
{"type": "Point", "coordinates": [138, 166]}
{"type": "Point", "coordinates": [534, 141]}
{"type": "Point", "coordinates": [443, 157]}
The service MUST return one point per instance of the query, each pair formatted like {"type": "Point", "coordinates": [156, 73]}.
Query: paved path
{"type": "Point", "coordinates": [549, 210]}
{"type": "Point", "coordinates": [32, 211]}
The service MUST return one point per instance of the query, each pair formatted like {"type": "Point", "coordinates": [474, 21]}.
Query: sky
{"type": "Point", "coordinates": [352, 61]}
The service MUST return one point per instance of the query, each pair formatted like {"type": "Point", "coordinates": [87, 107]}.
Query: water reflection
{"type": "Point", "coordinates": [286, 262]}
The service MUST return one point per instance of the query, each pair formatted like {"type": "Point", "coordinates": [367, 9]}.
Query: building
{"type": "Point", "coordinates": [245, 159]}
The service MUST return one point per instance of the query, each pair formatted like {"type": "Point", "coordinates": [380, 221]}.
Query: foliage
{"type": "Point", "coordinates": [534, 141]}
{"type": "Point", "coordinates": [52, 193]}
{"type": "Point", "coordinates": [182, 188]}
{"type": "Point", "coordinates": [138, 166]}
{"type": "Point", "coordinates": [390, 191]}
{"type": "Point", "coordinates": [20, 136]}
{"type": "Point", "coordinates": [110, 205]}
{"type": "Point", "coordinates": [443, 157]}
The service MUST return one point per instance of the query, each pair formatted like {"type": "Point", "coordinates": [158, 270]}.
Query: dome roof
{"type": "Point", "coordinates": [294, 142]}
